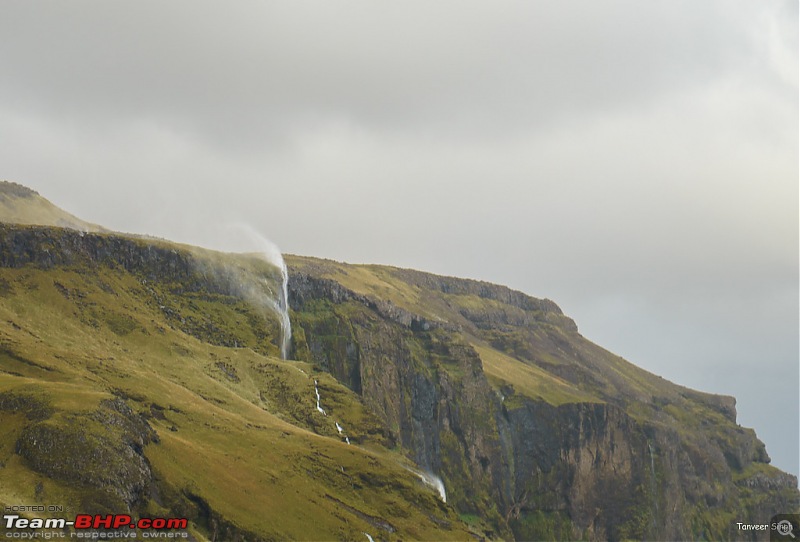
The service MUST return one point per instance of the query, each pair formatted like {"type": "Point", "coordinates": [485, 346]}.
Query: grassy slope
{"type": "Point", "coordinates": [18, 205]}
{"type": "Point", "coordinates": [237, 427]}
{"type": "Point", "coordinates": [237, 410]}
{"type": "Point", "coordinates": [554, 346]}
{"type": "Point", "coordinates": [529, 380]}
{"type": "Point", "coordinates": [550, 362]}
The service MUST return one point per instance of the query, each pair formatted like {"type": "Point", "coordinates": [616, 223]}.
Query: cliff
{"type": "Point", "coordinates": [533, 428]}
{"type": "Point", "coordinates": [153, 359]}
{"type": "Point", "coordinates": [136, 378]}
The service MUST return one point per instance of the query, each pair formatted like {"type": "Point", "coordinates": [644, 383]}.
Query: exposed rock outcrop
{"type": "Point", "coordinates": [103, 450]}
{"type": "Point", "coordinates": [620, 454]}
{"type": "Point", "coordinates": [647, 459]}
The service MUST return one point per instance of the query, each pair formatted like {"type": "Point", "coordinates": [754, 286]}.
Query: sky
{"type": "Point", "coordinates": [636, 162]}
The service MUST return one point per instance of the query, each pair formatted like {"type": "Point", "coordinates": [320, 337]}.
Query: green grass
{"type": "Point", "coordinates": [34, 209]}
{"type": "Point", "coordinates": [529, 380]}
{"type": "Point", "coordinates": [238, 430]}
{"type": "Point", "coordinates": [254, 446]}
{"type": "Point", "coordinates": [375, 281]}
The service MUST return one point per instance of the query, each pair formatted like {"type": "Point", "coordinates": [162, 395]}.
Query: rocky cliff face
{"type": "Point", "coordinates": [536, 432]}
{"type": "Point", "coordinates": [638, 457]}
{"type": "Point", "coordinates": [77, 452]}
{"type": "Point", "coordinates": [138, 377]}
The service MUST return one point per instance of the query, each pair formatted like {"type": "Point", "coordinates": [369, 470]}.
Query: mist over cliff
{"type": "Point", "coordinates": [534, 431]}
{"type": "Point", "coordinates": [140, 375]}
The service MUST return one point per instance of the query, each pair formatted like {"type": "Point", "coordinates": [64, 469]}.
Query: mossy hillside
{"type": "Point", "coordinates": [522, 328]}
{"type": "Point", "coordinates": [334, 346]}
{"type": "Point", "coordinates": [21, 205]}
{"type": "Point", "coordinates": [531, 345]}
{"type": "Point", "coordinates": [415, 367]}
{"type": "Point", "coordinates": [76, 448]}
{"type": "Point", "coordinates": [543, 525]}
{"type": "Point", "coordinates": [540, 337]}
{"type": "Point", "coordinates": [402, 368]}
{"type": "Point", "coordinates": [369, 280]}
{"type": "Point", "coordinates": [282, 479]}
{"type": "Point", "coordinates": [531, 353]}
{"type": "Point", "coordinates": [760, 490]}
{"type": "Point", "coordinates": [104, 453]}
{"type": "Point", "coordinates": [227, 430]}
{"type": "Point", "coordinates": [509, 375]}
{"type": "Point", "coordinates": [431, 299]}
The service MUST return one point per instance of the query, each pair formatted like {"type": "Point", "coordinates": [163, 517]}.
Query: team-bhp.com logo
{"type": "Point", "coordinates": [119, 521]}
{"type": "Point", "coordinates": [87, 521]}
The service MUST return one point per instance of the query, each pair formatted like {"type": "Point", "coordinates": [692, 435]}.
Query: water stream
{"type": "Point", "coordinates": [283, 311]}
{"type": "Point", "coordinates": [653, 494]}
{"type": "Point", "coordinates": [341, 432]}
{"type": "Point", "coordinates": [280, 306]}
{"type": "Point", "coordinates": [432, 481]}
{"type": "Point", "coordinates": [316, 390]}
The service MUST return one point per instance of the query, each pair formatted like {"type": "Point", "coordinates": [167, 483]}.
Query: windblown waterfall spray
{"type": "Point", "coordinates": [283, 309]}
{"type": "Point", "coordinates": [430, 480]}
{"type": "Point", "coordinates": [280, 306]}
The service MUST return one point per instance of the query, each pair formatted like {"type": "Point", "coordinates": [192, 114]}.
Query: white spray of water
{"type": "Point", "coordinates": [436, 483]}
{"type": "Point", "coordinates": [272, 254]}
{"type": "Point", "coordinates": [319, 408]}
{"type": "Point", "coordinates": [252, 286]}
{"type": "Point", "coordinates": [431, 480]}
{"type": "Point", "coordinates": [341, 432]}
{"type": "Point", "coordinates": [369, 537]}
{"type": "Point", "coordinates": [286, 323]}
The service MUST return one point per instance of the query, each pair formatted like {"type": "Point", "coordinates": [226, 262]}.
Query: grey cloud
{"type": "Point", "coordinates": [262, 70]}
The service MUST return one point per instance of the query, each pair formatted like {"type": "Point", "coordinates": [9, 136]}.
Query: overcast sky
{"type": "Point", "coordinates": [636, 162]}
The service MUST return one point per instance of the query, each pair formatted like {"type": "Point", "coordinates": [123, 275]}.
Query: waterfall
{"type": "Point", "coordinates": [432, 481]}
{"type": "Point", "coordinates": [341, 432]}
{"type": "Point", "coordinates": [653, 494]}
{"type": "Point", "coordinates": [281, 306]}
{"type": "Point", "coordinates": [436, 483]}
{"type": "Point", "coordinates": [319, 408]}
{"type": "Point", "coordinates": [271, 253]}
{"type": "Point", "coordinates": [283, 309]}
{"type": "Point", "coordinates": [254, 285]}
